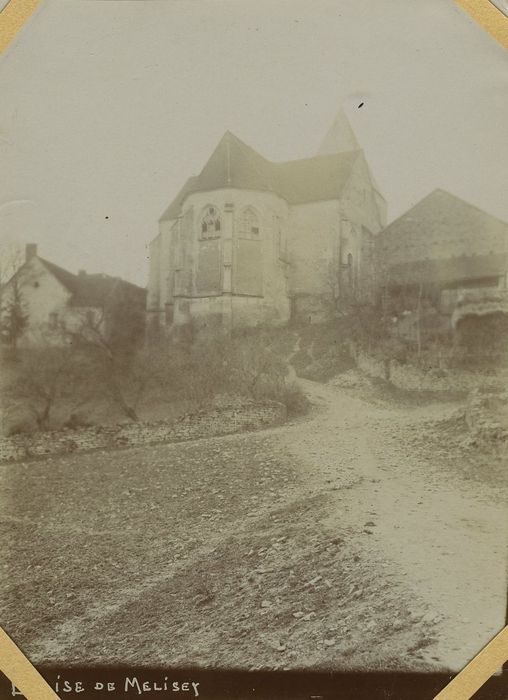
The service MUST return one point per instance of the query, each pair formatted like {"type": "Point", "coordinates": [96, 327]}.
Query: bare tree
{"type": "Point", "coordinates": [49, 377]}
{"type": "Point", "coordinates": [13, 314]}
{"type": "Point", "coordinates": [419, 321]}
{"type": "Point", "coordinates": [11, 259]}
{"type": "Point", "coordinates": [119, 371]}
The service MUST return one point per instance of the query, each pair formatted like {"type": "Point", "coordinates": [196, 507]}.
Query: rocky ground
{"type": "Point", "coordinates": [352, 538]}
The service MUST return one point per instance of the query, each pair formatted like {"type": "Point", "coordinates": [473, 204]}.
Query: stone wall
{"type": "Point", "coordinates": [411, 378]}
{"type": "Point", "coordinates": [201, 424]}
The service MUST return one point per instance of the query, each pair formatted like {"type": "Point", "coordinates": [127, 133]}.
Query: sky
{"type": "Point", "coordinates": [108, 106]}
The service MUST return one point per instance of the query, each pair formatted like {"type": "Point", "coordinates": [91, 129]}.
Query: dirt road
{"type": "Point", "coordinates": [342, 540]}
{"type": "Point", "coordinates": [443, 539]}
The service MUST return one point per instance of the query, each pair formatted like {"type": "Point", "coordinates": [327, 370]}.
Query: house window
{"type": "Point", "coordinates": [210, 223]}
{"type": "Point", "coordinates": [249, 224]}
{"type": "Point", "coordinates": [53, 320]}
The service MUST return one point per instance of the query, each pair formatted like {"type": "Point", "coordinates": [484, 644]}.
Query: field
{"type": "Point", "coordinates": [352, 537]}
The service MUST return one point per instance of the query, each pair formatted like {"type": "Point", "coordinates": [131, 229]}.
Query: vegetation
{"type": "Point", "coordinates": [97, 377]}
{"type": "Point", "coordinates": [105, 372]}
{"type": "Point", "coordinates": [13, 314]}
{"type": "Point", "coordinates": [41, 380]}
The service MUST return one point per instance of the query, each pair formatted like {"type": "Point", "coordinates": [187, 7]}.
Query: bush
{"type": "Point", "coordinates": [244, 366]}
{"type": "Point", "coordinates": [18, 425]}
{"type": "Point", "coordinates": [45, 378]}
{"type": "Point", "coordinates": [297, 404]}
{"type": "Point", "coordinates": [367, 325]}
{"type": "Point", "coordinates": [77, 420]}
{"type": "Point", "coordinates": [75, 386]}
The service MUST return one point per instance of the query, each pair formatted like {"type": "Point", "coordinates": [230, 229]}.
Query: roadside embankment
{"type": "Point", "coordinates": [214, 422]}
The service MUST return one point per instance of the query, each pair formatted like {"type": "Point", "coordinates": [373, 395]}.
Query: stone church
{"type": "Point", "coordinates": [249, 241]}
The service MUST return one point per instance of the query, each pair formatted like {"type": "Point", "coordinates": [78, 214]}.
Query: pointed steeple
{"type": "Point", "coordinates": [340, 137]}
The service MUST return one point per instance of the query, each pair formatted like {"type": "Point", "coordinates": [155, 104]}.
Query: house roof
{"type": "Point", "coordinates": [234, 164]}
{"type": "Point", "coordinates": [66, 278]}
{"type": "Point", "coordinates": [441, 239]}
{"type": "Point", "coordinates": [92, 290]}
{"type": "Point", "coordinates": [450, 218]}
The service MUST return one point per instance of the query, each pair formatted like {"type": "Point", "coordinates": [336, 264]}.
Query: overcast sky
{"type": "Point", "coordinates": [108, 106]}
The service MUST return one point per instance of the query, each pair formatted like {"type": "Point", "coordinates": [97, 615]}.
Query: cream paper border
{"type": "Point", "coordinates": [15, 665]}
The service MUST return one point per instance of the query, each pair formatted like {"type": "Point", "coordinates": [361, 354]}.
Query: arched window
{"type": "Point", "coordinates": [249, 224]}
{"type": "Point", "coordinates": [210, 223]}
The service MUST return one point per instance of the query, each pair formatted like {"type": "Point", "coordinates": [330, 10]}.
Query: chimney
{"type": "Point", "coordinates": [30, 251]}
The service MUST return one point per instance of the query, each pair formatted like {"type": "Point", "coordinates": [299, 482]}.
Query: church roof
{"type": "Point", "coordinates": [174, 208]}
{"type": "Point", "coordinates": [235, 164]}
{"type": "Point", "coordinates": [319, 178]}
{"type": "Point", "coordinates": [340, 137]}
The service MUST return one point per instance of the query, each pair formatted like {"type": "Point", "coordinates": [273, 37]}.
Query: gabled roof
{"type": "Point", "coordinates": [66, 278]}
{"type": "Point", "coordinates": [450, 217]}
{"type": "Point", "coordinates": [92, 290]}
{"type": "Point", "coordinates": [97, 289]}
{"type": "Point", "coordinates": [234, 164]}
{"type": "Point", "coordinates": [443, 239]}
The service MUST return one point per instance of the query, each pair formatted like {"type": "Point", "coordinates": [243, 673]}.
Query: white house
{"type": "Point", "coordinates": [57, 303]}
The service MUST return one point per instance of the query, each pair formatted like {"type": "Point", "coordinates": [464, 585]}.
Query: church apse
{"type": "Point", "coordinates": [248, 254]}
{"type": "Point", "coordinates": [224, 260]}
{"type": "Point", "coordinates": [208, 273]}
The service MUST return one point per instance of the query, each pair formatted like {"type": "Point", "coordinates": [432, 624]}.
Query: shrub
{"type": "Point", "coordinates": [90, 382]}
{"type": "Point", "coordinates": [44, 378]}
{"type": "Point", "coordinates": [297, 404]}
{"type": "Point", "coordinates": [18, 425]}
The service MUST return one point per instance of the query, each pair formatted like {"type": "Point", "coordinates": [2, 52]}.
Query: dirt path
{"type": "Point", "coordinates": [446, 543]}
{"type": "Point", "coordinates": [332, 542]}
